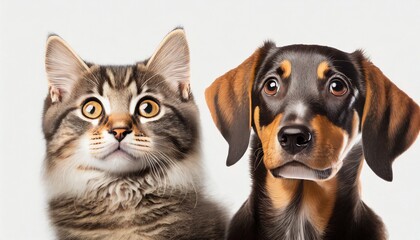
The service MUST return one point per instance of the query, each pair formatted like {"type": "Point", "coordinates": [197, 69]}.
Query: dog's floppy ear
{"type": "Point", "coordinates": [229, 101]}
{"type": "Point", "coordinates": [390, 121]}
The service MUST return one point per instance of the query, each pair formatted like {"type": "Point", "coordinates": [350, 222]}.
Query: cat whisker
{"type": "Point", "coordinates": [96, 138]}
{"type": "Point", "coordinates": [170, 161]}
{"type": "Point", "coordinates": [163, 169]}
{"type": "Point", "coordinates": [180, 170]}
{"type": "Point", "coordinates": [165, 146]}
{"type": "Point", "coordinates": [140, 145]}
{"type": "Point", "coordinates": [139, 135]}
{"type": "Point", "coordinates": [151, 161]}
{"type": "Point", "coordinates": [96, 148]}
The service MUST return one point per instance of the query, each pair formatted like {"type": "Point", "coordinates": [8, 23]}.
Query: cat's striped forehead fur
{"type": "Point", "coordinates": [118, 120]}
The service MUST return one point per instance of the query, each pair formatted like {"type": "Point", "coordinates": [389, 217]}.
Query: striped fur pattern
{"type": "Point", "coordinates": [123, 157]}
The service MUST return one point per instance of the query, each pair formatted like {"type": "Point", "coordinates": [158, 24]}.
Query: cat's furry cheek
{"type": "Point", "coordinates": [67, 178]}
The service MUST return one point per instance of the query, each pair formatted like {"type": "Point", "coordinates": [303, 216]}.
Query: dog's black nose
{"type": "Point", "coordinates": [294, 139]}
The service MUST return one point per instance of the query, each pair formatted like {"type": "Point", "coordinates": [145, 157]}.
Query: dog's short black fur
{"type": "Point", "coordinates": [317, 112]}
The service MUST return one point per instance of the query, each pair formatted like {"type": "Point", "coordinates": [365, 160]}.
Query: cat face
{"type": "Point", "coordinates": [119, 120]}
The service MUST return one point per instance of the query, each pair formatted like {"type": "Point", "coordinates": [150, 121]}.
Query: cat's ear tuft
{"type": "Point", "coordinates": [63, 67]}
{"type": "Point", "coordinates": [172, 61]}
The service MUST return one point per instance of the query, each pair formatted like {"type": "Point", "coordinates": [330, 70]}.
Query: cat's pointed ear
{"type": "Point", "coordinates": [172, 61]}
{"type": "Point", "coordinates": [390, 121]}
{"type": "Point", "coordinates": [63, 67]}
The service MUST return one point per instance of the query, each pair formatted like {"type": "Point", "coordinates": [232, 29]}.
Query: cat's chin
{"type": "Point", "coordinates": [117, 162]}
{"type": "Point", "coordinates": [119, 154]}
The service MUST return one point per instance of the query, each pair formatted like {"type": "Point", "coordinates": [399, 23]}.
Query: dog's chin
{"type": "Point", "coordinates": [298, 170]}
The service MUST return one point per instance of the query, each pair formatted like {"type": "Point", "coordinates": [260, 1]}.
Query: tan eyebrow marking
{"type": "Point", "coordinates": [286, 66]}
{"type": "Point", "coordinates": [323, 67]}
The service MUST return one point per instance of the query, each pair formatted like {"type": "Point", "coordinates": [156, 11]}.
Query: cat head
{"type": "Point", "coordinates": [119, 120]}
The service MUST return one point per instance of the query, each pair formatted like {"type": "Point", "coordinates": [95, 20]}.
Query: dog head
{"type": "Point", "coordinates": [309, 105]}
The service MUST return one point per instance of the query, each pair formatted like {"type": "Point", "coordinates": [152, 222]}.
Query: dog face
{"type": "Point", "coordinates": [309, 105]}
{"type": "Point", "coordinates": [305, 105]}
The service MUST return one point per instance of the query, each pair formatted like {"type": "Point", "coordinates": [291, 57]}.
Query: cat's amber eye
{"type": "Point", "coordinates": [148, 108]}
{"type": "Point", "coordinates": [92, 109]}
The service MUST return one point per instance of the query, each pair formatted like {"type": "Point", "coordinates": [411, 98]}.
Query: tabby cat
{"type": "Point", "coordinates": [123, 154]}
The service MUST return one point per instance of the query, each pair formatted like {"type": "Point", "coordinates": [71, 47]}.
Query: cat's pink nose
{"type": "Point", "coordinates": [120, 133]}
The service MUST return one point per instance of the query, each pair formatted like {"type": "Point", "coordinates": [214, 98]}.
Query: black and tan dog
{"type": "Point", "coordinates": [317, 112]}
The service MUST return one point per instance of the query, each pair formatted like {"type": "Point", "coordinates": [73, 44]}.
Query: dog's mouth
{"type": "Point", "coordinates": [298, 170]}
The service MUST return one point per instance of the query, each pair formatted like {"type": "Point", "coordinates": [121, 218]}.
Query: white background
{"type": "Point", "coordinates": [221, 35]}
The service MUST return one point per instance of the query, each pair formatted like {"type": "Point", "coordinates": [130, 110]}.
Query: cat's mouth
{"type": "Point", "coordinates": [119, 153]}
{"type": "Point", "coordinates": [114, 152]}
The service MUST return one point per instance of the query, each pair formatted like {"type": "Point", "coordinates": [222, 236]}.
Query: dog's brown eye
{"type": "Point", "coordinates": [271, 86]}
{"type": "Point", "coordinates": [338, 87]}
